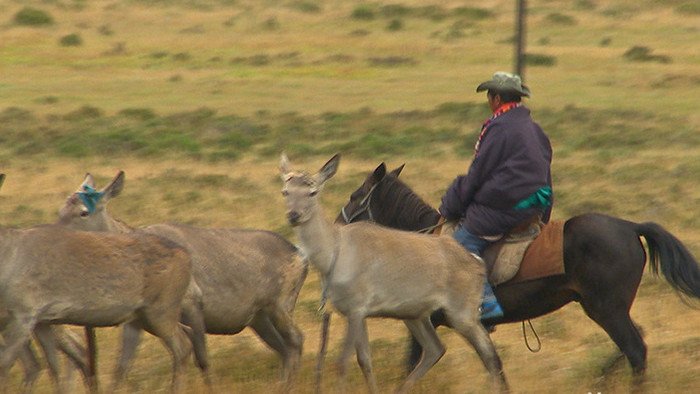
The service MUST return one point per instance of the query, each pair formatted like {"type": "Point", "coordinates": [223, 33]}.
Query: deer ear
{"type": "Point", "coordinates": [88, 181]}
{"type": "Point", "coordinates": [328, 169]}
{"type": "Point", "coordinates": [116, 186]}
{"type": "Point", "coordinates": [2, 179]}
{"type": "Point", "coordinates": [284, 166]}
{"type": "Point", "coordinates": [398, 170]}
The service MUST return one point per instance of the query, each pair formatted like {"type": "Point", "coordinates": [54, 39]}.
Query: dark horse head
{"type": "Point", "coordinates": [383, 198]}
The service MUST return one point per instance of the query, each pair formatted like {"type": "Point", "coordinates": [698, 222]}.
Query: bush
{"type": "Point", "coordinates": [30, 16]}
{"type": "Point", "coordinates": [364, 12]}
{"type": "Point", "coordinates": [561, 19]}
{"type": "Point", "coordinates": [473, 13]}
{"type": "Point", "coordinates": [394, 25]}
{"type": "Point", "coordinates": [71, 40]}
{"type": "Point", "coordinates": [689, 8]}
{"type": "Point", "coordinates": [643, 54]}
{"type": "Point", "coordinates": [534, 59]}
{"type": "Point", "coordinates": [305, 6]}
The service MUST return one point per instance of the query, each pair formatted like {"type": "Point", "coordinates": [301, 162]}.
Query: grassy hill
{"type": "Point", "coordinates": [194, 100]}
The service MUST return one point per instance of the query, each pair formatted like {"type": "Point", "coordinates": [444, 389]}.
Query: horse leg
{"type": "Point", "coordinates": [438, 319]}
{"type": "Point", "coordinates": [470, 328]}
{"type": "Point", "coordinates": [433, 350]}
{"type": "Point", "coordinates": [616, 321]}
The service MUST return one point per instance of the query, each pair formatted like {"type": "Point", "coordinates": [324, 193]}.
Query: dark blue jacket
{"type": "Point", "coordinates": [512, 163]}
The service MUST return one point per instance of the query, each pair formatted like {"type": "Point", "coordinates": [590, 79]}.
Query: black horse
{"type": "Point", "coordinates": [604, 259]}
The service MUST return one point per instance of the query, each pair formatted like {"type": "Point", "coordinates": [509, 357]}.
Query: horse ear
{"type": "Point", "coordinates": [328, 169]}
{"type": "Point", "coordinates": [379, 173]}
{"type": "Point", "coordinates": [398, 170]}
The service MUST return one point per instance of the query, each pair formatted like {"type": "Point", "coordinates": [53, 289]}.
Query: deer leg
{"type": "Point", "coordinates": [193, 317]}
{"type": "Point", "coordinates": [177, 342]}
{"type": "Point", "coordinates": [164, 323]}
{"type": "Point", "coordinates": [277, 329]}
{"type": "Point", "coordinates": [470, 328]}
{"type": "Point", "coordinates": [433, 350]}
{"type": "Point", "coordinates": [364, 358]}
{"type": "Point", "coordinates": [17, 334]}
{"type": "Point", "coordinates": [77, 354]}
{"type": "Point", "coordinates": [46, 338]}
{"type": "Point", "coordinates": [353, 330]}
{"type": "Point", "coordinates": [31, 367]}
{"type": "Point", "coordinates": [131, 336]}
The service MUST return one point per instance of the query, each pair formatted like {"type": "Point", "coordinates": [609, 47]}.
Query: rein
{"type": "Point", "coordinates": [364, 207]}
{"type": "Point", "coordinates": [527, 342]}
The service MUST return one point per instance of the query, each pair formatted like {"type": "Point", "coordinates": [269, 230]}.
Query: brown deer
{"type": "Point", "coordinates": [248, 278]}
{"type": "Point", "coordinates": [53, 275]}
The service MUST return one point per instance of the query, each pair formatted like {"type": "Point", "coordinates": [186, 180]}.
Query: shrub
{"type": "Point", "coordinates": [271, 24]}
{"type": "Point", "coordinates": [71, 40]}
{"type": "Point", "coordinates": [395, 10]}
{"type": "Point", "coordinates": [306, 6]}
{"type": "Point", "coordinates": [364, 12]}
{"type": "Point", "coordinates": [30, 16]}
{"type": "Point", "coordinates": [473, 13]}
{"type": "Point", "coordinates": [561, 19]}
{"type": "Point", "coordinates": [689, 8]}
{"type": "Point", "coordinates": [643, 54]}
{"type": "Point", "coordinates": [84, 112]}
{"type": "Point", "coordinates": [534, 59]}
{"type": "Point", "coordinates": [394, 25]}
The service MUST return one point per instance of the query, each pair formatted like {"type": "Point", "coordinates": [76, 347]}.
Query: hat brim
{"type": "Point", "coordinates": [493, 85]}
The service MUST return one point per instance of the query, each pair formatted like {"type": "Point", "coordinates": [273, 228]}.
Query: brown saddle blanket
{"type": "Point", "coordinates": [517, 261]}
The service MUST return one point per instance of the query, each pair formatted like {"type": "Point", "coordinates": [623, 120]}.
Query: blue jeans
{"type": "Point", "coordinates": [476, 245]}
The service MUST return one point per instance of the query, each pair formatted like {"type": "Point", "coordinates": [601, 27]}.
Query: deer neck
{"type": "Point", "coordinates": [318, 238]}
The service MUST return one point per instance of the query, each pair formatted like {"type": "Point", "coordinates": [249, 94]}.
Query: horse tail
{"type": "Point", "coordinates": [667, 253]}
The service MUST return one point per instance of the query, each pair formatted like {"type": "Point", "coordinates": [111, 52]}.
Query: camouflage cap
{"type": "Point", "coordinates": [506, 83]}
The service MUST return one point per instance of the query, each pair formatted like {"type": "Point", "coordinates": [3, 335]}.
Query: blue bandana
{"type": "Point", "coordinates": [90, 197]}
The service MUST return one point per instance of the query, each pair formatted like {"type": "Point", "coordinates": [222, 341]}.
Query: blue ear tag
{"type": "Point", "coordinates": [90, 197]}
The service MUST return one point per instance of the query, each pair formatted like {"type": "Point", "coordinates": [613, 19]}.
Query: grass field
{"type": "Point", "coordinates": [194, 99]}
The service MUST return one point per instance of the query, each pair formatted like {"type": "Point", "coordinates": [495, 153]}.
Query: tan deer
{"type": "Point", "coordinates": [248, 278]}
{"type": "Point", "coordinates": [373, 271]}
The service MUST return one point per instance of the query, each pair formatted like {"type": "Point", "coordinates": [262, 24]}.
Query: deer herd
{"type": "Point", "coordinates": [179, 283]}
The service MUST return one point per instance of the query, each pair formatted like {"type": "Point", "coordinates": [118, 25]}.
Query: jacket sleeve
{"type": "Point", "coordinates": [462, 190]}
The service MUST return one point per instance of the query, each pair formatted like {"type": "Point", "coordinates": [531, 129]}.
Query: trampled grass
{"type": "Point", "coordinates": [195, 99]}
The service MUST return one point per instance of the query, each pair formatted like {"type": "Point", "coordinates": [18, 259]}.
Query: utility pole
{"type": "Point", "coordinates": [520, 38]}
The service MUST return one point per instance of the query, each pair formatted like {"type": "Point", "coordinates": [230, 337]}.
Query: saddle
{"type": "Point", "coordinates": [529, 251]}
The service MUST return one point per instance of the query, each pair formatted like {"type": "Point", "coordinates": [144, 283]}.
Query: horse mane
{"type": "Point", "coordinates": [404, 207]}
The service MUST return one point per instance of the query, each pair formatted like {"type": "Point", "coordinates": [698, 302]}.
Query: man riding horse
{"type": "Point", "coordinates": [509, 181]}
